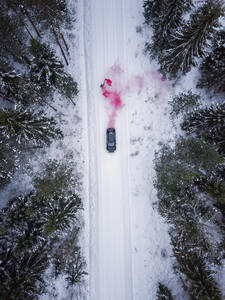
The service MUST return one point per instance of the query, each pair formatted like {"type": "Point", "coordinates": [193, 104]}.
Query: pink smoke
{"type": "Point", "coordinates": [117, 85]}
{"type": "Point", "coordinates": [114, 100]}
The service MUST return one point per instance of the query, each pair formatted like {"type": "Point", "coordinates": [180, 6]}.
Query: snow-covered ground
{"type": "Point", "coordinates": [129, 249]}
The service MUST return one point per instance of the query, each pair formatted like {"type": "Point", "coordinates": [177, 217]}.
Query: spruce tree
{"type": "Point", "coordinates": [168, 20]}
{"type": "Point", "coordinates": [21, 274]}
{"type": "Point", "coordinates": [163, 293]}
{"type": "Point", "coordinates": [152, 10]}
{"type": "Point", "coordinates": [75, 268]}
{"type": "Point", "coordinates": [212, 69]}
{"type": "Point", "coordinates": [191, 41]}
{"type": "Point", "coordinates": [196, 275]}
{"type": "Point", "coordinates": [213, 184]}
{"type": "Point", "coordinates": [59, 212]}
{"type": "Point", "coordinates": [207, 123]}
{"type": "Point", "coordinates": [12, 36]}
{"type": "Point", "coordinates": [48, 70]}
{"type": "Point", "coordinates": [184, 103]}
{"type": "Point", "coordinates": [23, 127]}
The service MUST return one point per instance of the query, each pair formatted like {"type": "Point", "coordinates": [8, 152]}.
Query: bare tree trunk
{"type": "Point", "coordinates": [57, 40]}
{"type": "Point", "coordinates": [27, 29]}
{"type": "Point", "coordinates": [32, 23]}
{"type": "Point", "coordinates": [64, 41]}
{"type": "Point", "coordinates": [52, 107]}
{"type": "Point", "coordinates": [25, 25]}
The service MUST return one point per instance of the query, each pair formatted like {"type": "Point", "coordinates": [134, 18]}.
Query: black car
{"type": "Point", "coordinates": [111, 139]}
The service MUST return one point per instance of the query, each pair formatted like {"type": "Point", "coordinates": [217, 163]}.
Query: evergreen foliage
{"type": "Point", "coordinates": [212, 68]}
{"type": "Point", "coordinates": [177, 167]}
{"type": "Point", "coordinates": [152, 10]}
{"type": "Point", "coordinates": [21, 273]}
{"type": "Point", "coordinates": [75, 269]}
{"type": "Point", "coordinates": [168, 20]}
{"type": "Point", "coordinates": [197, 277]}
{"type": "Point", "coordinates": [8, 164]}
{"type": "Point", "coordinates": [30, 228]}
{"type": "Point", "coordinates": [207, 123]}
{"type": "Point", "coordinates": [191, 41]}
{"type": "Point", "coordinates": [59, 212]}
{"type": "Point", "coordinates": [48, 70]}
{"type": "Point", "coordinates": [184, 202]}
{"type": "Point", "coordinates": [31, 224]}
{"type": "Point", "coordinates": [22, 126]}
{"type": "Point", "coordinates": [163, 293]}
{"type": "Point", "coordinates": [213, 184]}
{"type": "Point", "coordinates": [55, 179]}
{"type": "Point", "coordinates": [184, 103]}
{"type": "Point", "coordinates": [12, 36]}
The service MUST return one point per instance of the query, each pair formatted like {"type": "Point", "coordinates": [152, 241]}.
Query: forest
{"type": "Point", "coordinates": [39, 222]}
{"type": "Point", "coordinates": [190, 171]}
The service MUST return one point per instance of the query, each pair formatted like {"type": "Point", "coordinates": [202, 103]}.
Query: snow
{"type": "Point", "coordinates": [129, 242]}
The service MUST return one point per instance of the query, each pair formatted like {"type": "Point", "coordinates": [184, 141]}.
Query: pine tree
{"type": "Point", "coordinates": [213, 184]}
{"type": "Point", "coordinates": [197, 277]}
{"type": "Point", "coordinates": [60, 203]}
{"type": "Point", "coordinates": [59, 212]}
{"type": "Point", "coordinates": [176, 169]}
{"type": "Point", "coordinates": [47, 69]}
{"type": "Point", "coordinates": [22, 127]}
{"type": "Point", "coordinates": [75, 269]}
{"type": "Point", "coordinates": [21, 272]}
{"type": "Point", "coordinates": [190, 42]}
{"type": "Point", "coordinates": [184, 103]}
{"type": "Point", "coordinates": [212, 68]}
{"type": "Point", "coordinates": [56, 178]}
{"type": "Point", "coordinates": [23, 250]}
{"type": "Point", "coordinates": [167, 20]}
{"type": "Point", "coordinates": [152, 10]}
{"type": "Point", "coordinates": [207, 123]}
{"type": "Point", "coordinates": [45, 65]}
{"type": "Point", "coordinates": [7, 166]}
{"type": "Point", "coordinates": [12, 37]}
{"type": "Point", "coordinates": [8, 81]}
{"type": "Point", "coordinates": [163, 293]}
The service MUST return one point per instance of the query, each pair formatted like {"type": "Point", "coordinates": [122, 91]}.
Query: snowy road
{"type": "Point", "coordinates": [129, 251]}
{"type": "Point", "coordinates": [110, 262]}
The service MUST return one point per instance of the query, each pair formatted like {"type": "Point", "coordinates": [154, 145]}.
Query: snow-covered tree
{"type": "Point", "coordinates": [195, 273]}
{"type": "Point", "coordinates": [59, 212]}
{"type": "Point", "coordinates": [213, 184]}
{"type": "Point", "coordinates": [168, 19]}
{"type": "Point", "coordinates": [163, 293]}
{"type": "Point", "coordinates": [47, 69]}
{"type": "Point", "coordinates": [207, 123]}
{"type": "Point", "coordinates": [152, 10]}
{"type": "Point", "coordinates": [45, 65]}
{"type": "Point", "coordinates": [12, 37]}
{"type": "Point", "coordinates": [56, 178]}
{"type": "Point", "coordinates": [7, 166]}
{"type": "Point", "coordinates": [184, 103]}
{"type": "Point", "coordinates": [75, 268]}
{"type": "Point", "coordinates": [21, 272]}
{"type": "Point", "coordinates": [212, 69]}
{"type": "Point", "coordinates": [25, 126]}
{"type": "Point", "coordinates": [177, 168]}
{"type": "Point", "coordinates": [191, 41]}
{"type": "Point", "coordinates": [23, 250]}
